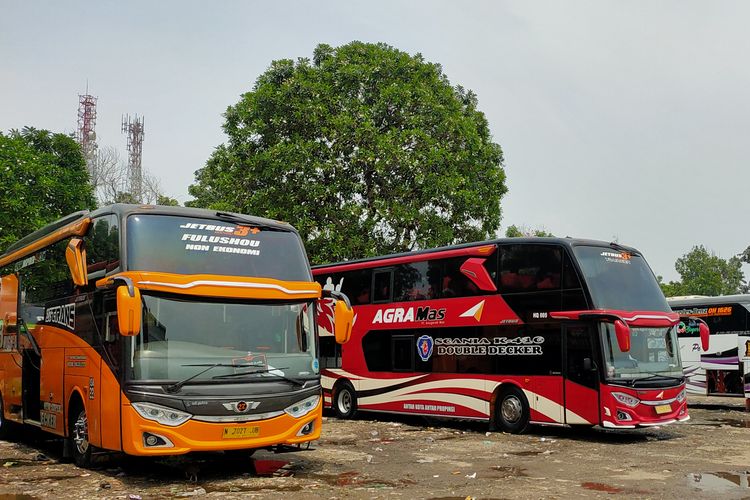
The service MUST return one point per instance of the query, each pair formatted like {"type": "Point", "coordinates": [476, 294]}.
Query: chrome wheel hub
{"type": "Point", "coordinates": [345, 401]}
{"type": "Point", "coordinates": [81, 433]}
{"type": "Point", "coordinates": [511, 409]}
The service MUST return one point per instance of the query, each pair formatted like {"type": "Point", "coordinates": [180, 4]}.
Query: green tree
{"type": "Point", "coordinates": [365, 149]}
{"type": "Point", "coordinates": [704, 273]}
{"type": "Point", "coordinates": [43, 177]}
{"type": "Point", "coordinates": [167, 201]}
{"type": "Point", "coordinates": [514, 231]}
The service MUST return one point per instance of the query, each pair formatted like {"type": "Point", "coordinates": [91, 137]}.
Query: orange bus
{"type": "Point", "coordinates": [163, 330]}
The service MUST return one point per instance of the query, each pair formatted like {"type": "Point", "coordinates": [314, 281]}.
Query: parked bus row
{"type": "Point", "coordinates": [165, 330]}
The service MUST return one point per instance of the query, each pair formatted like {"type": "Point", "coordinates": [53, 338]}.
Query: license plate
{"type": "Point", "coordinates": [661, 409]}
{"type": "Point", "coordinates": [241, 432]}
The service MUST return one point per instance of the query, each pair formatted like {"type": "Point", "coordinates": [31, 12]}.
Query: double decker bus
{"type": "Point", "coordinates": [162, 330]}
{"type": "Point", "coordinates": [553, 331]}
{"type": "Point", "coordinates": [724, 369]}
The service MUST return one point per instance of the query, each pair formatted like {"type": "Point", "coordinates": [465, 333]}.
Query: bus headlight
{"type": "Point", "coordinates": [681, 396]}
{"type": "Point", "coordinates": [161, 414]}
{"type": "Point", "coordinates": [303, 407]}
{"type": "Point", "coordinates": [626, 399]}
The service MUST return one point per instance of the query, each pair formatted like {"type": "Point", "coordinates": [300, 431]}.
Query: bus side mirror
{"type": "Point", "coordinates": [343, 320]}
{"type": "Point", "coordinates": [75, 256]}
{"type": "Point", "coordinates": [129, 310]}
{"type": "Point", "coordinates": [704, 332]}
{"type": "Point", "coordinates": [622, 332]}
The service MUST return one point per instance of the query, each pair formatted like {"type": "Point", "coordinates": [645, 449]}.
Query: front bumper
{"type": "Point", "coordinates": [194, 435]}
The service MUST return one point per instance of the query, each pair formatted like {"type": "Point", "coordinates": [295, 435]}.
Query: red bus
{"type": "Point", "coordinates": [553, 331]}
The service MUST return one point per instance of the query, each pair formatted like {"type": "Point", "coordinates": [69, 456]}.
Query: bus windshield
{"type": "Point", "coordinates": [620, 280]}
{"type": "Point", "coordinates": [180, 338]}
{"type": "Point", "coordinates": [653, 351]}
{"type": "Point", "coordinates": [189, 245]}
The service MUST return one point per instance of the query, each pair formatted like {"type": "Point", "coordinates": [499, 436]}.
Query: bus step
{"type": "Point", "coordinates": [35, 423]}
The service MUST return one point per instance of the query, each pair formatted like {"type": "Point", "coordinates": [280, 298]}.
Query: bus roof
{"type": "Point", "coordinates": [709, 301]}
{"type": "Point", "coordinates": [568, 242]}
{"type": "Point", "coordinates": [124, 210]}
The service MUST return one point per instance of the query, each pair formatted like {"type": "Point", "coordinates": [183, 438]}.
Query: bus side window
{"type": "Point", "coordinates": [382, 285]}
{"type": "Point", "coordinates": [330, 352]}
{"type": "Point", "coordinates": [103, 246]}
{"type": "Point", "coordinates": [357, 285]}
{"type": "Point", "coordinates": [403, 352]}
{"type": "Point", "coordinates": [526, 268]}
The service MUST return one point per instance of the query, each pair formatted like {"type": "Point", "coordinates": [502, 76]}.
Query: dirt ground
{"type": "Point", "coordinates": [400, 457]}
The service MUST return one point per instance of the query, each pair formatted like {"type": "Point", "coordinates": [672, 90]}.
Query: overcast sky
{"type": "Point", "coordinates": [619, 120]}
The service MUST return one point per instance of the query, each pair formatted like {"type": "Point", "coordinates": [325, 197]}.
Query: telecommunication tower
{"type": "Point", "coordinates": [133, 129]}
{"type": "Point", "coordinates": [86, 133]}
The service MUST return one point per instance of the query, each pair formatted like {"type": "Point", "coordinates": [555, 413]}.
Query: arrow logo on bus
{"type": "Point", "coordinates": [475, 312]}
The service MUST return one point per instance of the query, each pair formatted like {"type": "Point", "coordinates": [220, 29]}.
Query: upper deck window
{"type": "Point", "coordinates": [620, 280]}
{"type": "Point", "coordinates": [188, 245]}
{"type": "Point", "coordinates": [530, 268]}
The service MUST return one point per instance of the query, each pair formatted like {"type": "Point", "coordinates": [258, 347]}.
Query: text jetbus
{"type": "Point", "coordinates": [723, 370]}
{"type": "Point", "coordinates": [162, 330]}
{"type": "Point", "coordinates": [514, 331]}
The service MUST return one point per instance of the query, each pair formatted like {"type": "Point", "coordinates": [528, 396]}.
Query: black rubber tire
{"type": "Point", "coordinates": [512, 411]}
{"type": "Point", "coordinates": [80, 446]}
{"type": "Point", "coordinates": [5, 426]}
{"type": "Point", "coordinates": [344, 400]}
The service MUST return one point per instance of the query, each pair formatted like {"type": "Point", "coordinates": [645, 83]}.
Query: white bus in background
{"type": "Point", "coordinates": [724, 369]}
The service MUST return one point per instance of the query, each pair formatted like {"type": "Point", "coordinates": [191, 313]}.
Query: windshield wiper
{"type": "Point", "coordinates": [178, 385]}
{"type": "Point", "coordinates": [652, 376]}
{"type": "Point", "coordinates": [266, 371]}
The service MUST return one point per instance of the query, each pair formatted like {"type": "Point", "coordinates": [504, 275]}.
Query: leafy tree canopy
{"type": "Point", "coordinates": [704, 273]}
{"type": "Point", "coordinates": [43, 177]}
{"type": "Point", "coordinates": [514, 231]}
{"type": "Point", "coordinates": [367, 150]}
{"type": "Point", "coordinates": [167, 201]}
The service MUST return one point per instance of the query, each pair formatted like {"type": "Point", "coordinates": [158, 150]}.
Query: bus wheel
{"type": "Point", "coordinates": [345, 401]}
{"type": "Point", "coordinates": [79, 435]}
{"type": "Point", "coordinates": [512, 411]}
{"type": "Point", "coordinates": [4, 424]}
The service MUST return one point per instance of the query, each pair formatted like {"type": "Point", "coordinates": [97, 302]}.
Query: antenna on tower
{"type": "Point", "coordinates": [86, 133]}
{"type": "Point", "coordinates": [133, 129]}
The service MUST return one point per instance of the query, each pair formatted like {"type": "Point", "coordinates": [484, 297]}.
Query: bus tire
{"type": "Point", "coordinates": [344, 400]}
{"type": "Point", "coordinates": [512, 411]}
{"type": "Point", "coordinates": [5, 425]}
{"type": "Point", "coordinates": [78, 434]}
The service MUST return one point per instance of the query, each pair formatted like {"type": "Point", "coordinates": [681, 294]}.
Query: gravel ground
{"type": "Point", "coordinates": [410, 457]}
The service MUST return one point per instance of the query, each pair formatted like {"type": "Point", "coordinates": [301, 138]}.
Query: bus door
{"type": "Point", "coordinates": [31, 356]}
{"type": "Point", "coordinates": [581, 374]}
{"type": "Point", "coordinates": [10, 361]}
{"type": "Point", "coordinates": [30, 383]}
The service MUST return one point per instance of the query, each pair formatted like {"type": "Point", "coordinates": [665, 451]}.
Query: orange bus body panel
{"type": "Point", "coordinates": [78, 228]}
{"type": "Point", "coordinates": [52, 374]}
{"type": "Point", "coordinates": [109, 395]}
{"type": "Point", "coordinates": [194, 435]}
{"type": "Point", "coordinates": [208, 285]}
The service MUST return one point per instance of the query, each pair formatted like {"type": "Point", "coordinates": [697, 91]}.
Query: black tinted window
{"type": "Point", "coordinates": [416, 281]}
{"type": "Point", "coordinates": [186, 245]}
{"type": "Point", "coordinates": [382, 285]}
{"type": "Point", "coordinates": [528, 268]}
{"type": "Point", "coordinates": [103, 245]}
